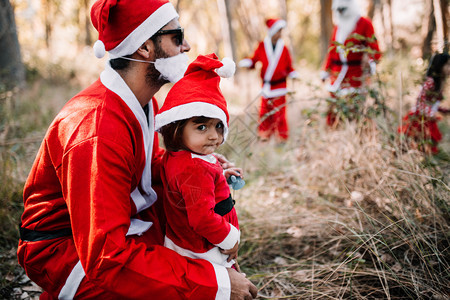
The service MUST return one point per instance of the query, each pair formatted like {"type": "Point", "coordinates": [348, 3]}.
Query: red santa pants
{"type": "Point", "coordinates": [272, 118]}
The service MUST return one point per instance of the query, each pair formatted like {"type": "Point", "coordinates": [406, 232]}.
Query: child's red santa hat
{"type": "Point", "coordinates": [198, 93]}
{"type": "Point", "coordinates": [123, 26]}
{"type": "Point", "coordinates": [274, 25]}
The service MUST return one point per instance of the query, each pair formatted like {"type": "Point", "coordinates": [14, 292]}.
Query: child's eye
{"type": "Point", "coordinates": [201, 127]}
{"type": "Point", "coordinates": [219, 125]}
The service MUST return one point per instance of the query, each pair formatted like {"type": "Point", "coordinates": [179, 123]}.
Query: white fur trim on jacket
{"type": "Point", "coordinates": [245, 63]}
{"type": "Point", "coordinates": [273, 57]}
{"type": "Point", "coordinates": [163, 15]}
{"type": "Point", "coordinates": [233, 237]}
{"type": "Point", "coordinates": [223, 283]}
{"type": "Point", "coordinates": [112, 80]}
{"type": "Point", "coordinates": [213, 255]}
{"type": "Point", "coordinates": [189, 110]}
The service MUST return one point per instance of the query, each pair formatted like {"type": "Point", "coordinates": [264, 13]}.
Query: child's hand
{"type": "Point", "coordinates": [232, 253]}
{"type": "Point", "coordinates": [234, 178]}
{"type": "Point", "coordinates": [233, 171]}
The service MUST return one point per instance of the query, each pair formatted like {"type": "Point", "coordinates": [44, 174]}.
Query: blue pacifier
{"type": "Point", "coordinates": [235, 182]}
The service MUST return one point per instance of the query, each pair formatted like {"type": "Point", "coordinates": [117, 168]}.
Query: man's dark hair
{"type": "Point", "coordinates": [121, 64]}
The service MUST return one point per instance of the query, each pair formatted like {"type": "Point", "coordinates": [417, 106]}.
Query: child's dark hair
{"type": "Point", "coordinates": [435, 70]}
{"type": "Point", "coordinates": [172, 133]}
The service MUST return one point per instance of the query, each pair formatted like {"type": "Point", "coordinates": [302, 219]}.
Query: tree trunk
{"type": "Point", "coordinates": [87, 23]}
{"type": "Point", "coordinates": [12, 72]}
{"type": "Point", "coordinates": [284, 15]}
{"type": "Point", "coordinates": [445, 15]}
{"type": "Point", "coordinates": [429, 29]}
{"type": "Point", "coordinates": [47, 23]}
{"type": "Point", "coordinates": [373, 5]}
{"type": "Point", "coordinates": [227, 30]}
{"type": "Point", "coordinates": [326, 26]}
{"type": "Point", "coordinates": [440, 14]}
{"type": "Point", "coordinates": [388, 24]}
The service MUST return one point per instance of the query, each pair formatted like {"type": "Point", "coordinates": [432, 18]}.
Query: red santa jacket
{"type": "Point", "coordinates": [276, 67]}
{"type": "Point", "coordinates": [85, 178]}
{"type": "Point", "coordinates": [346, 71]}
{"type": "Point", "coordinates": [195, 184]}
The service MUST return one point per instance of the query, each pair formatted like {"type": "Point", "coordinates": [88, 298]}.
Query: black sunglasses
{"type": "Point", "coordinates": [179, 34]}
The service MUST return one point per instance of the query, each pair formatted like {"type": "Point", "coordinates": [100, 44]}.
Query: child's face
{"type": "Point", "coordinates": [203, 138]}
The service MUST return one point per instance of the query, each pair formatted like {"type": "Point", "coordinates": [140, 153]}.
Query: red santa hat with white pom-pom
{"type": "Point", "coordinates": [198, 93]}
{"type": "Point", "coordinates": [274, 25]}
{"type": "Point", "coordinates": [123, 26]}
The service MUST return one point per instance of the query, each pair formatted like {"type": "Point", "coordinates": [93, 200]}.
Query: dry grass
{"type": "Point", "coordinates": [345, 214]}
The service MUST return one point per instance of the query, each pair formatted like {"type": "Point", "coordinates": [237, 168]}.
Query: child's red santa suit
{"type": "Point", "coordinates": [420, 123]}
{"type": "Point", "coordinates": [276, 67]}
{"type": "Point", "coordinates": [355, 33]}
{"type": "Point", "coordinates": [199, 209]}
{"type": "Point", "coordinates": [83, 234]}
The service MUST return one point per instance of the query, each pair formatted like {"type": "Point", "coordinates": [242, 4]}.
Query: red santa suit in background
{"type": "Point", "coordinates": [276, 67]}
{"type": "Point", "coordinates": [91, 226]}
{"type": "Point", "coordinates": [346, 70]}
{"type": "Point", "coordinates": [420, 123]}
{"type": "Point", "coordinates": [200, 211]}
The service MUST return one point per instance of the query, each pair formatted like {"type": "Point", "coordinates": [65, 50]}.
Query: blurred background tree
{"type": "Point", "coordinates": [11, 67]}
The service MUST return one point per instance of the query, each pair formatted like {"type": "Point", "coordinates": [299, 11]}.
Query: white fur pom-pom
{"type": "Point", "coordinates": [228, 68]}
{"type": "Point", "coordinates": [99, 49]}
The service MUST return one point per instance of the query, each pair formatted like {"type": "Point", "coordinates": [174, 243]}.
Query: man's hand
{"type": "Point", "coordinates": [225, 163]}
{"type": "Point", "coordinates": [241, 287]}
{"type": "Point", "coordinates": [232, 253]}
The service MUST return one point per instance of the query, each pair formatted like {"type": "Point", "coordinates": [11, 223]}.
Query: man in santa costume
{"type": "Point", "coordinates": [92, 226]}
{"type": "Point", "coordinates": [353, 46]}
{"type": "Point", "coordinates": [276, 68]}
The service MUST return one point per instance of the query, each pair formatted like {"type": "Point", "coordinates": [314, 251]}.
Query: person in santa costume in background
{"type": "Point", "coordinates": [201, 219]}
{"type": "Point", "coordinates": [420, 123]}
{"type": "Point", "coordinates": [92, 226]}
{"type": "Point", "coordinates": [276, 68]}
{"type": "Point", "coordinates": [353, 46]}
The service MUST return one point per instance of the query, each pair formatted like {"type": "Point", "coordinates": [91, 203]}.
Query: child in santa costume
{"type": "Point", "coordinates": [420, 123]}
{"type": "Point", "coordinates": [276, 68]}
{"type": "Point", "coordinates": [353, 45]}
{"type": "Point", "coordinates": [201, 219]}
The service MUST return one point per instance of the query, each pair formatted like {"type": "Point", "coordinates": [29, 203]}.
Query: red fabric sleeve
{"type": "Point", "coordinates": [100, 219]}
{"type": "Point", "coordinates": [258, 54]}
{"type": "Point", "coordinates": [197, 188]}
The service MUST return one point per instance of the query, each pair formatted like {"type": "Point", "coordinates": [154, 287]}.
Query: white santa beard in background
{"type": "Point", "coordinates": [345, 22]}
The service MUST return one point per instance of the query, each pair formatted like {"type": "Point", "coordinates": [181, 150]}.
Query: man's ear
{"type": "Point", "coordinates": [146, 50]}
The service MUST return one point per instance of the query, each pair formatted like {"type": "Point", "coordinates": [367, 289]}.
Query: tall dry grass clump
{"type": "Point", "coordinates": [344, 214]}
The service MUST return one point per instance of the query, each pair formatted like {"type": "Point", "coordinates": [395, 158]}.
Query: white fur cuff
{"type": "Point", "coordinates": [232, 238]}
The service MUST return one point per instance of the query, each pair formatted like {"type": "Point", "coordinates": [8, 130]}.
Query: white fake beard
{"type": "Point", "coordinates": [172, 68]}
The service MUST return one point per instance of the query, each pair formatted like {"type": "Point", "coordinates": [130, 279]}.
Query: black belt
{"type": "Point", "coordinates": [28, 235]}
{"type": "Point", "coordinates": [224, 206]}
{"type": "Point", "coordinates": [275, 82]}
{"type": "Point", "coordinates": [350, 63]}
